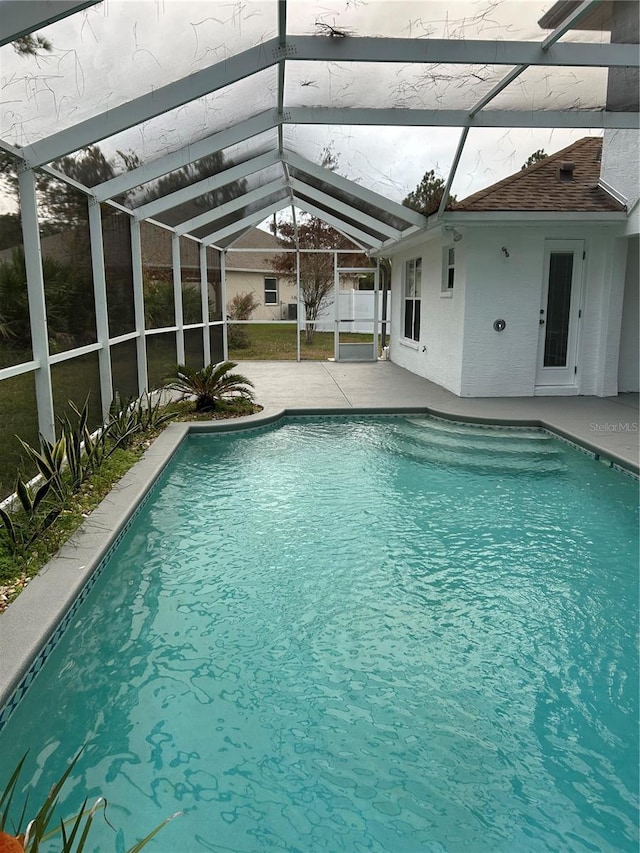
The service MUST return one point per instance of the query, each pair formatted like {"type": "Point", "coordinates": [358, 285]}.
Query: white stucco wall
{"type": "Point", "coordinates": [438, 354]}
{"type": "Point", "coordinates": [464, 352]}
{"type": "Point", "coordinates": [620, 159]}
{"type": "Point", "coordinates": [629, 361]}
{"type": "Point", "coordinates": [506, 288]}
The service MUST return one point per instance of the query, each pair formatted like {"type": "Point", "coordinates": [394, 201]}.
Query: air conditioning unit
{"type": "Point", "coordinates": [292, 311]}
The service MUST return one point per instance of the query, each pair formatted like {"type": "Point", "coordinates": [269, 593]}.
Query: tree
{"type": "Point", "coordinates": [10, 231]}
{"type": "Point", "coordinates": [31, 45]}
{"type": "Point", "coordinates": [536, 157]}
{"type": "Point", "coordinates": [316, 269]}
{"type": "Point", "coordinates": [428, 194]}
{"type": "Point", "coordinates": [59, 201]}
{"type": "Point", "coordinates": [69, 298]}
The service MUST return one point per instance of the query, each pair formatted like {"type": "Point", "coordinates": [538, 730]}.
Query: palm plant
{"type": "Point", "coordinates": [212, 384]}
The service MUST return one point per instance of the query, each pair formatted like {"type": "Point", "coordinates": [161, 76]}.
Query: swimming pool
{"type": "Point", "coordinates": [391, 634]}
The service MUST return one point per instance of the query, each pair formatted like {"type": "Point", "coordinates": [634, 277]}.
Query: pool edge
{"type": "Point", "coordinates": [28, 625]}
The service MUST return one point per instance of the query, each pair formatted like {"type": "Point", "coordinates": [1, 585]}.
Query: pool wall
{"type": "Point", "coordinates": [31, 626]}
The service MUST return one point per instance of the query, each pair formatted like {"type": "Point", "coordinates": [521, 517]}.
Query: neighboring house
{"type": "Point", "coordinates": [252, 272]}
{"type": "Point", "coordinates": [246, 270]}
{"type": "Point", "coordinates": [521, 291]}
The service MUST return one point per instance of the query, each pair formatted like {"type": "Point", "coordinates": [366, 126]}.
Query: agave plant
{"type": "Point", "coordinates": [74, 832]}
{"type": "Point", "coordinates": [212, 384]}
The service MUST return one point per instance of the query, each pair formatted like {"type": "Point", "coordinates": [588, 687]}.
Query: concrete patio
{"type": "Point", "coordinates": [607, 425]}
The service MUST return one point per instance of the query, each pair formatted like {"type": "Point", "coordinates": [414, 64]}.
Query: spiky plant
{"type": "Point", "coordinates": [74, 832]}
{"type": "Point", "coordinates": [212, 384]}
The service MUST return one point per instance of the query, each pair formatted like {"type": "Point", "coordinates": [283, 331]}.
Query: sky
{"type": "Point", "coordinates": [118, 50]}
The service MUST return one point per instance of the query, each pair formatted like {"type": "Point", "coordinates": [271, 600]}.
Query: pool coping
{"type": "Point", "coordinates": [30, 625]}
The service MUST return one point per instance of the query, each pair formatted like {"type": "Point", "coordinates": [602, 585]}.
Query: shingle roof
{"type": "Point", "coordinates": [255, 238]}
{"type": "Point", "coordinates": [541, 187]}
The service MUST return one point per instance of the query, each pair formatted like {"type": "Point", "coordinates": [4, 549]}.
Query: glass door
{"type": "Point", "coordinates": [560, 313]}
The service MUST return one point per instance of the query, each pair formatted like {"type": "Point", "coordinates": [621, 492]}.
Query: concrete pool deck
{"type": "Point", "coordinates": [29, 627]}
{"type": "Point", "coordinates": [607, 425]}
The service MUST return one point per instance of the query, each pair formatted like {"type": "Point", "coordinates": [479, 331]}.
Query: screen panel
{"type": "Point", "coordinates": [124, 369]}
{"type": "Point", "coordinates": [118, 270]}
{"type": "Point", "coordinates": [157, 277]}
{"type": "Point", "coordinates": [76, 381]}
{"type": "Point", "coordinates": [19, 418]}
{"type": "Point", "coordinates": [162, 359]}
{"type": "Point", "coordinates": [66, 264]}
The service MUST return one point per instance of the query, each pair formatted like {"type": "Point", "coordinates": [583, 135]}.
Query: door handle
{"type": "Point", "coordinates": [541, 322]}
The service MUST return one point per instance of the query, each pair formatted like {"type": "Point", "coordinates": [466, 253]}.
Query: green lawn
{"type": "Point", "coordinates": [273, 342]}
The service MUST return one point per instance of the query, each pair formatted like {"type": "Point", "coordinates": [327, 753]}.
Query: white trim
{"type": "Point", "coordinates": [18, 369]}
{"type": "Point", "coordinates": [518, 217]}
{"type": "Point", "coordinates": [121, 339]}
{"type": "Point", "coordinates": [409, 343]}
{"type": "Point", "coordinates": [613, 193]}
{"type": "Point", "coordinates": [59, 357]}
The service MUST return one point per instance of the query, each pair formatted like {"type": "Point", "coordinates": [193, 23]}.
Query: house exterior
{"type": "Point", "coordinates": [530, 287]}
{"type": "Point", "coordinates": [522, 289]}
{"type": "Point", "coordinates": [250, 271]}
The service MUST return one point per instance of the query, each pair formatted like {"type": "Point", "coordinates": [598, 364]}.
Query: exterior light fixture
{"type": "Point", "coordinates": [457, 236]}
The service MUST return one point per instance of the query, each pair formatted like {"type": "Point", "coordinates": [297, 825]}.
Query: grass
{"type": "Point", "coordinates": [273, 342]}
{"type": "Point", "coordinates": [15, 572]}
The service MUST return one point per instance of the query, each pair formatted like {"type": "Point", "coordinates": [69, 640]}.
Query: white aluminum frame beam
{"type": "Point", "coordinates": [584, 8]}
{"type": "Point", "coordinates": [188, 154]}
{"type": "Point", "coordinates": [101, 304]}
{"type": "Point", "coordinates": [351, 188]}
{"type": "Point", "coordinates": [235, 173]}
{"type": "Point", "coordinates": [458, 51]}
{"type": "Point", "coordinates": [19, 18]}
{"type": "Point", "coordinates": [460, 118]}
{"type": "Point", "coordinates": [230, 206]}
{"type": "Point", "coordinates": [138, 304]}
{"type": "Point", "coordinates": [37, 308]}
{"type": "Point", "coordinates": [350, 230]}
{"type": "Point", "coordinates": [245, 223]}
{"type": "Point", "coordinates": [155, 103]}
{"type": "Point", "coordinates": [345, 209]}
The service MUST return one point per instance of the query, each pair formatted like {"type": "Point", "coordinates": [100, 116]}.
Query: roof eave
{"type": "Point", "coordinates": [518, 217]}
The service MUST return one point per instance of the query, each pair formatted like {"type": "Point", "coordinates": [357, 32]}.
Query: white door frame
{"type": "Point", "coordinates": [566, 375]}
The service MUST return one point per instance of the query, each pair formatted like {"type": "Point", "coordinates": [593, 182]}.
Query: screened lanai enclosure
{"type": "Point", "coordinates": [141, 140]}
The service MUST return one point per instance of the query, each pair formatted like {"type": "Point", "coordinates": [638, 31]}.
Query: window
{"type": "Point", "coordinates": [448, 268]}
{"type": "Point", "coordinates": [412, 291]}
{"type": "Point", "coordinates": [271, 291]}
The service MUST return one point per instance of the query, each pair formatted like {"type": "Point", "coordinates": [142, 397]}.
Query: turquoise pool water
{"type": "Point", "coordinates": [387, 634]}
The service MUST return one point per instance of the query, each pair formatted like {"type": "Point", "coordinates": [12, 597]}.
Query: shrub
{"type": "Point", "coordinates": [212, 384]}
